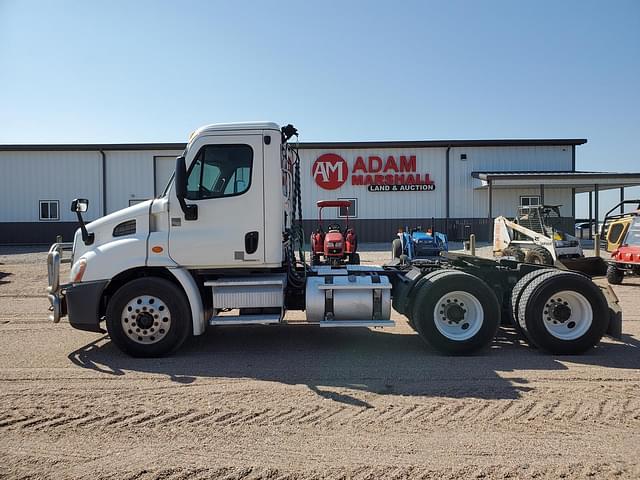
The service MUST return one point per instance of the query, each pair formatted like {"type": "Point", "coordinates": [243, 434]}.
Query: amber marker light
{"type": "Point", "coordinates": [157, 249]}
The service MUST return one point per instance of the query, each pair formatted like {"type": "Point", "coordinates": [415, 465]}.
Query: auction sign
{"type": "Point", "coordinates": [389, 174]}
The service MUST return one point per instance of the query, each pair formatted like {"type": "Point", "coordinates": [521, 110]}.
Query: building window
{"type": "Point", "coordinates": [530, 200]}
{"type": "Point", "coordinates": [352, 211]}
{"type": "Point", "coordinates": [49, 210]}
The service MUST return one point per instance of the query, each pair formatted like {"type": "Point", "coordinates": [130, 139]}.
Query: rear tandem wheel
{"type": "Point", "coordinates": [562, 312]}
{"type": "Point", "coordinates": [455, 312]}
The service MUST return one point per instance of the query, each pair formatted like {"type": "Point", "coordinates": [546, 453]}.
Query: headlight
{"type": "Point", "coordinates": [77, 270]}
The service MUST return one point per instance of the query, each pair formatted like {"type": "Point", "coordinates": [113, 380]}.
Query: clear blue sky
{"type": "Point", "coordinates": [134, 71]}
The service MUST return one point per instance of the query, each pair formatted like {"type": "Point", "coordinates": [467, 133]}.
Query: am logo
{"type": "Point", "coordinates": [330, 171]}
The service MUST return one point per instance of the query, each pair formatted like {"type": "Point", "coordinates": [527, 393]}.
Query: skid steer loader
{"type": "Point", "coordinates": [532, 238]}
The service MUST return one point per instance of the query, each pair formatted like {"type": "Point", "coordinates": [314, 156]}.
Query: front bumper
{"type": "Point", "coordinates": [80, 301]}
{"type": "Point", "coordinates": [83, 304]}
{"type": "Point", "coordinates": [55, 291]}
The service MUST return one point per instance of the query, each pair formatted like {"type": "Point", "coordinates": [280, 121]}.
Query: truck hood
{"type": "Point", "coordinates": [102, 228]}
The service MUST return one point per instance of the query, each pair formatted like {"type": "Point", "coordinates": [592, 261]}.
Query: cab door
{"type": "Point", "coordinates": [224, 181]}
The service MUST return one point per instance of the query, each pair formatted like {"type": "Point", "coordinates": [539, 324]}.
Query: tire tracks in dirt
{"type": "Point", "coordinates": [590, 406]}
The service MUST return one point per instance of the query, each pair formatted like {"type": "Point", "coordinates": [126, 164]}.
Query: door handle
{"type": "Point", "coordinates": [251, 242]}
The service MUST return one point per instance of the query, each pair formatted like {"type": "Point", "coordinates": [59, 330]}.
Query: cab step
{"type": "Point", "coordinates": [357, 323]}
{"type": "Point", "coordinates": [263, 319]}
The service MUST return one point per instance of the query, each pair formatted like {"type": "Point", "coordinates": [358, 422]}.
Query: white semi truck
{"type": "Point", "coordinates": [223, 246]}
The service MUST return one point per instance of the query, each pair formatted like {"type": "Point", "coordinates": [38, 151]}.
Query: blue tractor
{"type": "Point", "coordinates": [413, 244]}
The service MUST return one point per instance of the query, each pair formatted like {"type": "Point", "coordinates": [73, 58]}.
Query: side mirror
{"type": "Point", "coordinates": [80, 205]}
{"type": "Point", "coordinates": [190, 211]}
{"type": "Point", "coordinates": [181, 178]}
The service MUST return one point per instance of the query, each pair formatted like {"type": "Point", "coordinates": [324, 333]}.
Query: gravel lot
{"type": "Point", "coordinates": [298, 402]}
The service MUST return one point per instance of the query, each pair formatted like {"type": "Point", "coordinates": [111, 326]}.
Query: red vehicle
{"type": "Point", "coordinates": [338, 245]}
{"type": "Point", "coordinates": [621, 234]}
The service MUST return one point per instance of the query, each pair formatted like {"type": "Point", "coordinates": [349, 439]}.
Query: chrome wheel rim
{"type": "Point", "coordinates": [458, 315]}
{"type": "Point", "coordinates": [567, 315]}
{"type": "Point", "coordinates": [145, 319]}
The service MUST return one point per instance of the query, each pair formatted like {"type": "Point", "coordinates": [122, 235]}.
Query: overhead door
{"type": "Point", "coordinates": [164, 167]}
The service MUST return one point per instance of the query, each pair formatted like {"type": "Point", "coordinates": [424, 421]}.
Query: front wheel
{"type": "Point", "coordinates": [539, 256]}
{"type": "Point", "coordinates": [615, 276]}
{"type": "Point", "coordinates": [148, 317]}
{"type": "Point", "coordinates": [456, 313]}
{"type": "Point", "coordinates": [354, 258]}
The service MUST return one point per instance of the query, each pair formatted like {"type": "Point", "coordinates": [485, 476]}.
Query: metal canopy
{"type": "Point", "coordinates": [580, 181]}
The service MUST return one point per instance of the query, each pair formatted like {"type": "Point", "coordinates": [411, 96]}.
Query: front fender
{"type": "Point", "coordinates": [193, 296]}
{"type": "Point", "coordinates": [114, 257]}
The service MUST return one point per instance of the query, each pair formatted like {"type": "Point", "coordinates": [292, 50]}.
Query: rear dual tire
{"type": "Point", "coordinates": [455, 313]}
{"type": "Point", "coordinates": [560, 312]}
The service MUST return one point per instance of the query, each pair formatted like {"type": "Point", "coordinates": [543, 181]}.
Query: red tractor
{"type": "Point", "coordinates": [338, 245]}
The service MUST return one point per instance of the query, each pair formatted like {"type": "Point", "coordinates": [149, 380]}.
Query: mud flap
{"type": "Point", "coordinates": [592, 266]}
{"type": "Point", "coordinates": [615, 313]}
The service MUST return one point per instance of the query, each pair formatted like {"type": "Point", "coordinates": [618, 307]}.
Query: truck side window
{"type": "Point", "coordinates": [220, 171]}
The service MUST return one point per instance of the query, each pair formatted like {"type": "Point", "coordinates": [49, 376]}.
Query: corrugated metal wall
{"type": "Point", "coordinates": [130, 176]}
{"type": "Point", "coordinates": [379, 204]}
{"type": "Point", "coordinates": [467, 201]}
{"type": "Point", "coordinates": [28, 177]}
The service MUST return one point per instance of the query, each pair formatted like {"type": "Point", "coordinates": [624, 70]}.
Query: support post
{"type": "Point", "coordinates": [597, 206]}
{"type": "Point", "coordinates": [541, 194]}
{"type": "Point", "coordinates": [596, 245]}
{"type": "Point", "coordinates": [590, 216]}
{"type": "Point", "coordinates": [621, 200]}
{"type": "Point", "coordinates": [490, 200]}
{"type": "Point", "coordinates": [472, 244]}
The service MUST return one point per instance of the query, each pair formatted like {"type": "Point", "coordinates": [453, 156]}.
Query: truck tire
{"type": "Point", "coordinates": [148, 317]}
{"type": "Point", "coordinates": [563, 313]}
{"type": "Point", "coordinates": [410, 305]}
{"type": "Point", "coordinates": [539, 256]}
{"type": "Point", "coordinates": [516, 294]}
{"type": "Point", "coordinates": [515, 252]}
{"type": "Point", "coordinates": [396, 249]}
{"type": "Point", "coordinates": [456, 313]}
{"type": "Point", "coordinates": [354, 258]}
{"type": "Point", "coordinates": [615, 276]}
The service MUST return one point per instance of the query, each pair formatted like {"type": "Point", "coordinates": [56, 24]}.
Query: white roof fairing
{"type": "Point", "coordinates": [221, 127]}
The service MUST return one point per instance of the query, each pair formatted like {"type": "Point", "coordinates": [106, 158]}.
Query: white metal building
{"type": "Point", "coordinates": [455, 186]}
{"type": "Point", "coordinates": [38, 183]}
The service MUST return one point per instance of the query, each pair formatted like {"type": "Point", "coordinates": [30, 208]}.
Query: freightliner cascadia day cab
{"type": "Point", "coordinates": [223, 246]}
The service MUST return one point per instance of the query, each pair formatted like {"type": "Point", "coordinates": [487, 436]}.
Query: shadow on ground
{"type": "Point", "coordinates": [364, 360]}
{"type": "Point", "coordinates": [3, 275]}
